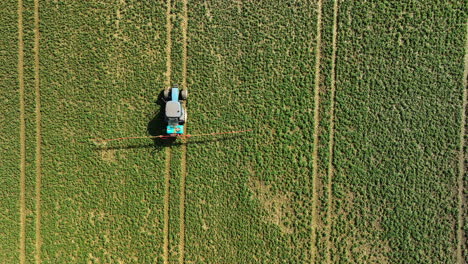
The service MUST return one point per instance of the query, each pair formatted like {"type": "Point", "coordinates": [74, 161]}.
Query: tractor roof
{"type": "Point", "coordinates": [173, 109]}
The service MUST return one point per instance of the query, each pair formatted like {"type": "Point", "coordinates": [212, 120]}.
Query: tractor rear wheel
{"type": "Point", "coordinates": [183, 119]}
{"type": "Point", "coordinates": [183, 94]}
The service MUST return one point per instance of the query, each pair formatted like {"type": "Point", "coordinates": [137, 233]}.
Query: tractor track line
{"type": "Point", "coordinates": [331, 131]}
{"type": "Point", "coordinates": [183, 165]}
{"type": "Point", "coordinates": [184, 44]}
{"type": "Point", "coordinates": [38, 133]}
{"type": "Point", "coordinates": [167, 179]}
{"type": "Point", "coordinates": [22, 202]}
{"type": "Point", "coordinates": [313, 237]}
{"type": "Point", "coordinates": [183, 168]}
{"type": "Point", "coordinates": [167, 174]}
{"type": "Point", "coordinates": [461, 160]}
{"type": "Point", "coordinates": [168, 45]}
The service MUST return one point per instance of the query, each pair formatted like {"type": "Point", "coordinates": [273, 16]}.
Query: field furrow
{"type": "Point", "coordinates": [331, 133]}
{"type": "Point", "coordinates": [22, 132]}
{"type": "Point", "coordinates": [315, 177]}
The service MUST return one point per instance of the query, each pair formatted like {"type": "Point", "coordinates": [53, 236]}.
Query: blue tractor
{"type": "Point", "coordinates": [175, 114]}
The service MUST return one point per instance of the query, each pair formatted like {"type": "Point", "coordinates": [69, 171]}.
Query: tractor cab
{"type": "Point", "coordinates": [175, 113]}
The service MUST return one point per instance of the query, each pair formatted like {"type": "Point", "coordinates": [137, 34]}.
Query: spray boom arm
{"type": "Point", "coordinates": [172, 136]}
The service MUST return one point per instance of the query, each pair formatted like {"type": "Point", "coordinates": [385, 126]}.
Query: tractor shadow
{"type": "Point", "coordinates": [157, 125]}
{"type": "Point", "coordinates": [159, 146]}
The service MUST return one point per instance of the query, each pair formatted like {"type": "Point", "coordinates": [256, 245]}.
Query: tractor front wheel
{"type": "Point", "coordinates": [183, 94]}
{"type": "Point", "coordinates": [166, 94]}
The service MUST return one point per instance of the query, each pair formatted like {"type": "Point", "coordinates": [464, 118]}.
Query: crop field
{"type": "Point", "coordinates": [356, 151]}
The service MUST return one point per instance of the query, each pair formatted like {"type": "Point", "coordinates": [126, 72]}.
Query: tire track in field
{"type": "Point", "coordinates": [167, 174]}
{"type": "Point", "coordinates": [38, 133]}
{"type": "Point", "coordinates": [331, 132]}
{"type": "Point", "coordinates": [22, 235]}
{"type": "Point", "coordinates": [461, 161]}
{"type": "Point", "coordinates": [167, 179]}
{"type": "Point", "coordinates": [168, 44]}
{"type": "Point", "coordinates": [313, 237]}
{"type": "Point", "coordinates": [183, 164]}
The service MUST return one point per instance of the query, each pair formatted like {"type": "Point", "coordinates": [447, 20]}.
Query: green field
{"type": "Point", "coordinates": [357, 152]}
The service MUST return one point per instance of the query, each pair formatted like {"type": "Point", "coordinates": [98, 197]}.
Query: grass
{"type": "Point", "coordinates": [386, 182]}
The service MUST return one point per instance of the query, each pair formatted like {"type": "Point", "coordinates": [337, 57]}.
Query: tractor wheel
{"type": "Point", "coordinates": [166, 94]}
{"type": "Point", "coordinates": [183, 119]}
{"type": "Point", "coordinates": [183, 94]}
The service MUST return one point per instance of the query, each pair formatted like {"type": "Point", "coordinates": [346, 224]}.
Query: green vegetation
{"type": "Point", "coordinates": [249, 197]}
{"type": "Point", "coordinates": [106, 67]}
{"type": "Point", "coordinates": [9, 133]}
{"type": "Point", "coordinates": [399, 74]}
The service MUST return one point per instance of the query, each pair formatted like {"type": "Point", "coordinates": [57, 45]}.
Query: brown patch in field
{"type": "Point", "coordinates": [99, 142]}
{"type": "Point", "coordinates": [361, 246]}
{"type": "Point", "coordinates": [276, 205]}
{"type": "Point", "coordinates": [204, 225]}
{"type": "Point", "coordinates": [92, 259]}
{"type": "Point", "coordinates": [366, 249]}
{"type": "Point", "coordinates": [208, 11]}
{"type": "Point", "coordinates": [238, 5]}
{"type": "Point", "coordinates": [91, 217]}
{"type": "Point", "coordinates": [118, 15]}
{"type": "Point", "coordinates": [108, 155]}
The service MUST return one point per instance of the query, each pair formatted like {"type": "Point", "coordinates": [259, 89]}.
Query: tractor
{"type": "Point", "coordinates": [175, 114]}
